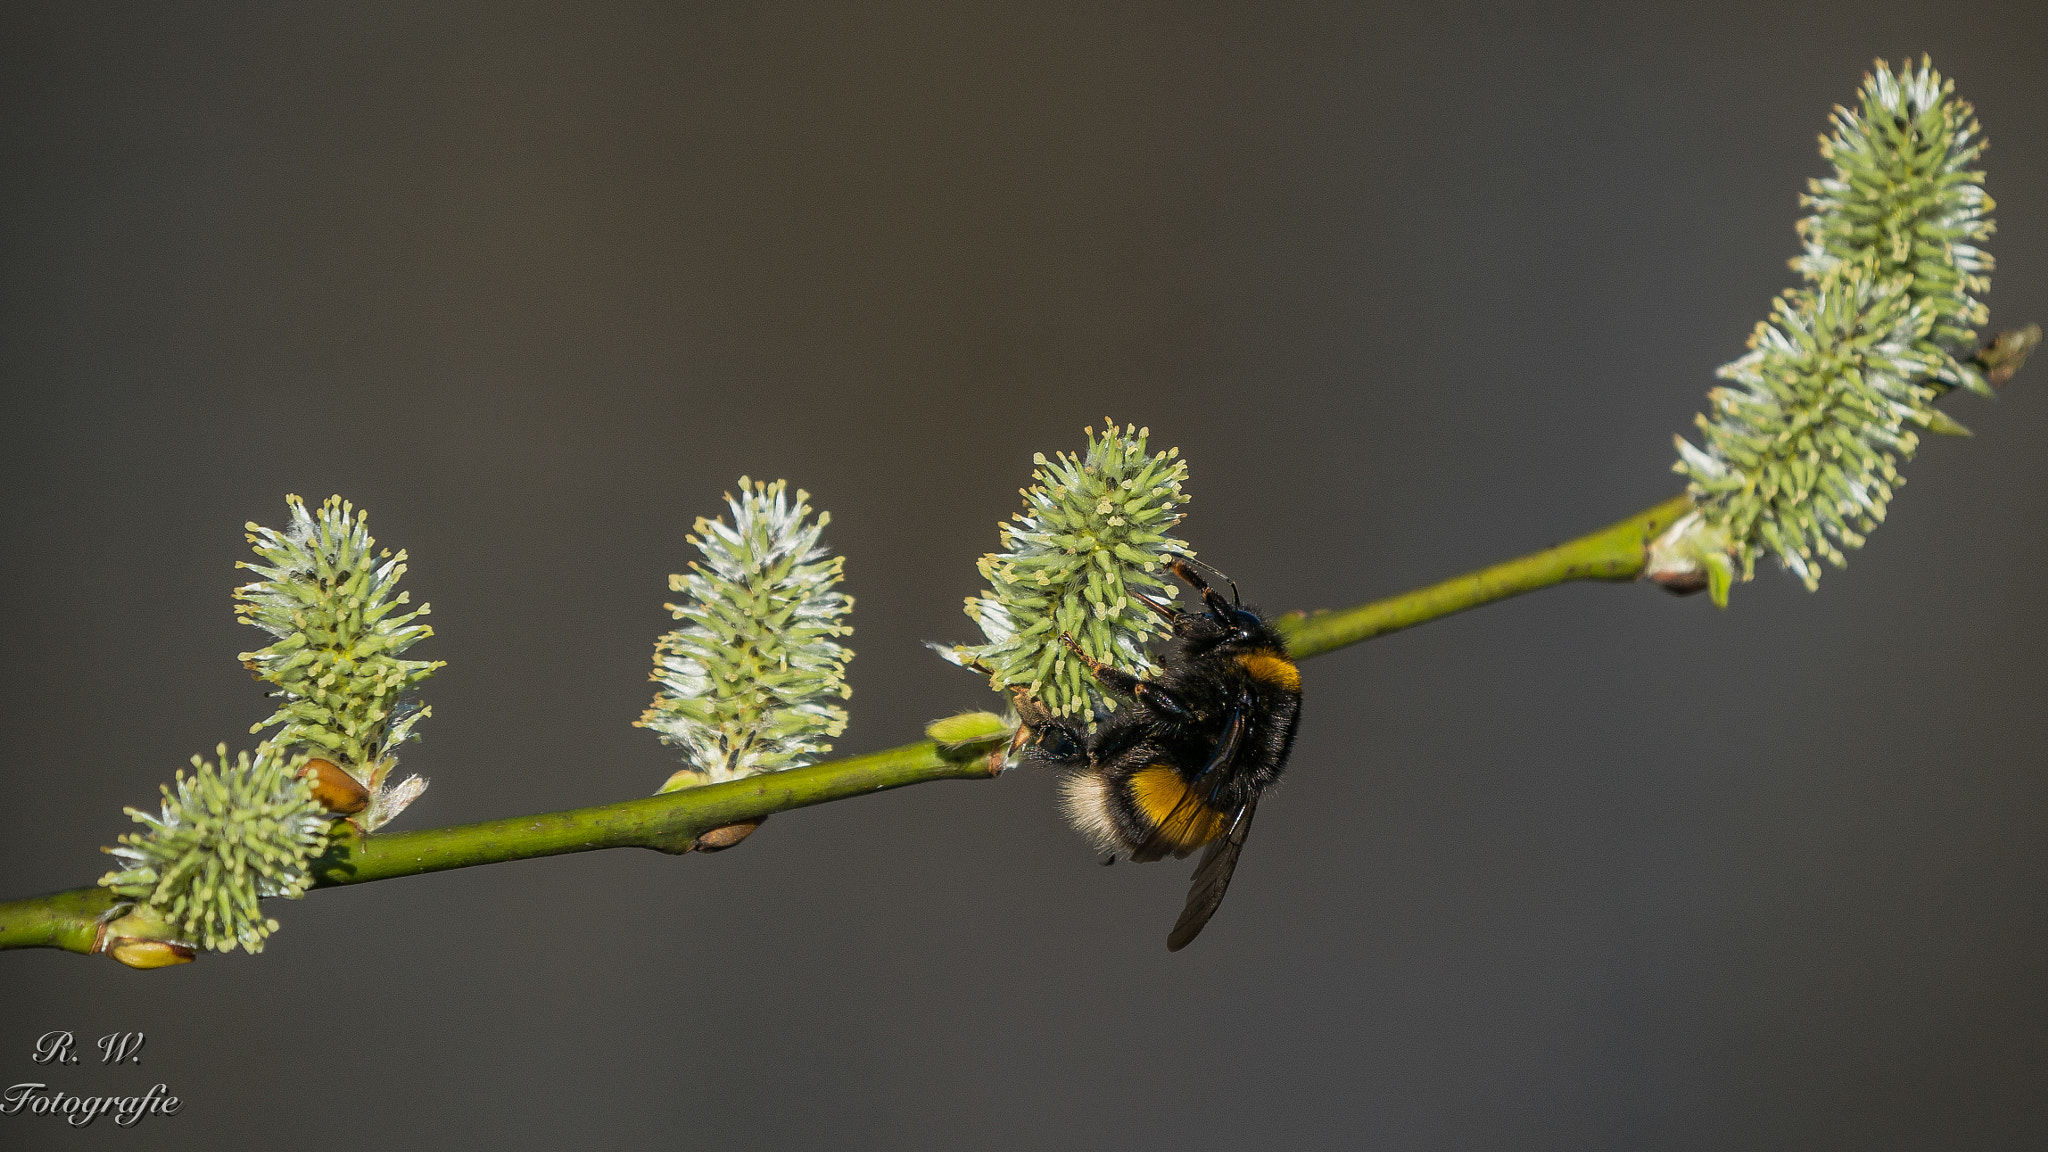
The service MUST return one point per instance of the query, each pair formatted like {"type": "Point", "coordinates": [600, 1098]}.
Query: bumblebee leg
{"type": "Point", "coordinates": [1041, 735]}
{"type": "Point", "coordinates": [1181, 624]}
{"type": "Point", "coordinates": [1122, 682]}
{"type": "Point", "coordinates": [1053, 742]}
{"type": "Point", "coordinates": [1226, 746]}
{"type": "Point", "coordinates": [1180, 567]}
{"type": "Point", "coordinates": [1030, 713]}
{"type": "Point", "coordinates": [1161, 700]}
{"type": "Point", "coordinates": [1112, 740]}
{"type": "Point", "coordinates": [1149, 693]}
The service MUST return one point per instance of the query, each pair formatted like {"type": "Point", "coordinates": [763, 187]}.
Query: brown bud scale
{"type": "Point", "coordinates": [336, 790]}
{"type": "Point", "coordinates": [726, 835]}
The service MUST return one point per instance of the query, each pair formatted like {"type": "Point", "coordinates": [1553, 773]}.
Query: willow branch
{"type": "Point", "coordinates": [1616, 552]}
{"type": "Point", "coordinates": [75, 920]}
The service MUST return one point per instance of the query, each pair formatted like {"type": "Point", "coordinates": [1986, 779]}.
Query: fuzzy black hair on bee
{"type": "Point", "coordinates": [1183, 763]}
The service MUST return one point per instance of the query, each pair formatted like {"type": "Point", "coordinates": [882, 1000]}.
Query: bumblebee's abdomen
{"type": "Point", "coordinates": [1123, 810]}
{"type": "Point", "coordinates": [1182, 822]}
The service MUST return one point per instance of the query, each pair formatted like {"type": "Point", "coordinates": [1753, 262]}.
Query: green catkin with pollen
{"type": "Point", "coordinates": [748, 682]}
{"type": "Point", "coordinates": [1799, 456]}
{"type": "Point", "coordinates": [229, 836]}
{"type": "Point", "coordinates": [328, 597]}
{"type": "Point", "coordinates": [1095, 528]}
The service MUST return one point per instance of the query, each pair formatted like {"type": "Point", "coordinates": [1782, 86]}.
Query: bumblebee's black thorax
{"type": "Point", "coordinates": [1211, 682]}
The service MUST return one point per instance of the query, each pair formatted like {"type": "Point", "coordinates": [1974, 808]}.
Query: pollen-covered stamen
{"type": "Point", "coordinates": [1800, 455]}
{"type": "Point", "coordinates": [330, 598]}
{"type": "Point", "coordinates": [1090, 543]}
{"type": "Point", "coordinates": [750, 679]}
{"type": "Point", "coordinates": [233, 833]}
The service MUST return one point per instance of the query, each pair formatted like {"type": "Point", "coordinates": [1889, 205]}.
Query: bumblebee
{"type": "Point", "coordinates": [1183, 763]}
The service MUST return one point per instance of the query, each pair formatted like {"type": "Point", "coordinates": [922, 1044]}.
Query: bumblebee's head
{"type": "Point", "coordinates": [1244, 625]}
{"type": "Point", "coordinates": [1222, 622]}
{"type": "Point", "coordinates": [1225, 625]}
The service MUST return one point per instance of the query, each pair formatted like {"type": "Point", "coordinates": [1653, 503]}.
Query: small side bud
{"type": "Point", "coordinates": [683, 778]}
{"type": "Point", "coordinates": [1681, 580]}
{"type": "Point", "coordinates": [137, 939]}
{"type": "Point", "coordinates": [966, 730]}
{"type": "Point", "coordinates": [150, 953]}
{"type": "Point", "coordinates": [725, 836]}
{"type": "Point", "coordinates": [1691, 556]}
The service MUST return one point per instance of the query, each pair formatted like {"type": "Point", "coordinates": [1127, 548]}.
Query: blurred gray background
{"type": "Point", "coordinates": [1414, 289]}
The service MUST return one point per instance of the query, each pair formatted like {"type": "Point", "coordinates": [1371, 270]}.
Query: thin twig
{"type": "Point", "coordinates": [74, 920]}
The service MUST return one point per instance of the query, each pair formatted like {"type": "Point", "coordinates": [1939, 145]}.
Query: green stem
{"type": "Point", "coordinates": [1616, 552]}
{"type": "Point", "coordinates": [68, 920]}
{"type": "Point", "coordinates": [667, 823]}
{"type": "Point", "coordinates": [670, 822]}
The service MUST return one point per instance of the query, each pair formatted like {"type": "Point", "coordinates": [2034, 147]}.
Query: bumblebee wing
{"type": "Point", "coordinates": [1212, 879]}
{"type": "Point", "coordinates": [1188, 808]}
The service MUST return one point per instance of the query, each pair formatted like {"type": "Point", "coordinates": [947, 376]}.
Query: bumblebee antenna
{"type": "Point", "coordinates": [1166, 613]}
